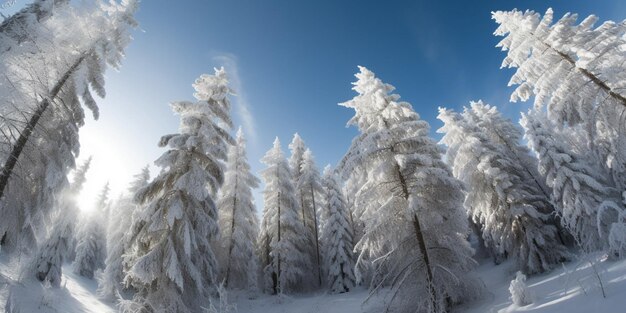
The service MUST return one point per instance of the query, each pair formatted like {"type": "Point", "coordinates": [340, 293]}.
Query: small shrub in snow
{"type": "Point", "coordinates": [520, 294]}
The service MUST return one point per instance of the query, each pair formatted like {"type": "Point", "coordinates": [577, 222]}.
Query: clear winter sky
{"type": "Point", "coordinates": [291, 62]}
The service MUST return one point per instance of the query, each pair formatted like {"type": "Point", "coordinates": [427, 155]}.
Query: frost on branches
{"type": "Point", "coordinates": [520, 295]}
{"type": "Point", "coordinates": [238, 221]}
{"type": "Point", "coordinates": [504, 197]}
{"type": "Point", "coordinates": [575, 73]}
{"type": "Point", "coordinates": [310, 188]}
{"type": "Point", "coordinates": [415, 227]}
{"type": "Point", "coordinates": [91, 238]}
{"type": "Point", "coordinates": [306, 179]}
{"type": "Point", "coordinates": [282, 241]}
{"type": "Point", "coordinates": [23, 25]}
{"type": "Point", "coordinates": [51, 64]}
{"type": "Point", "coordinates": [337, 236]}
{"type": "Point", "coordinates": [49, 259]}
{"type": "Point", "coordinates": [174, 268]}
{"type": "Point", "coordinates": [587, 204]}
{"type": "Point", "coordinates": [117, 241]}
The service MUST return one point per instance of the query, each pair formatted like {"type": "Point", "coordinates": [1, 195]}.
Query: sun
{"type": "Point", "coordinates": [110, 164]}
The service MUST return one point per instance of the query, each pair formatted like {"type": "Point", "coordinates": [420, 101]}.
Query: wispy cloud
{"type": "Point", "coordinates": [242, 107]}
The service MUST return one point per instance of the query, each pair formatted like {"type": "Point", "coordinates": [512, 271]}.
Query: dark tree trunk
{"type": "Point", "coordinates": [232, 232]}
{"type": "Point", "coordinates": [276, 274]}
{"type": "Point", "coordinates": [317, 243]}
{"type": "Point", "coordinates": [421, 243]}
{"type": "Point", "coordinates": [18, 147]}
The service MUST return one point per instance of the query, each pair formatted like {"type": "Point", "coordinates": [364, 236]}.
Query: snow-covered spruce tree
{"type": "Point", "coordinates": [117, 241]}
{"type": "Point", "coordinates": [574, 72]}
{"type": "Point", "coordinates": [297, 148]}
{"type": "Point", "coordinates": [508, 135]}
{"type": "Point", "coordinates": [356, 178]}
{"type": "Point", "coordinates": [48, 261]}
{"type": "Point", "coordinates": [505, 133]}
{"type": "Point", "coordinates": [309, 187]}
{"type": "Point", "coordinates": [512, 210]}
{"type": "Point", "coordinates": [67, 57]}
{"type": "Point", "coordinates": [306, 204]}
{"type": "Point", "coordinates": [520, 295]}
{"type": "Point", "coordinates": [350, 188]}
{"type": "Point", "coordinates": [337, 236]}
{"type": "Point", "coordinates": [91, 247]}
{"type": "Point", "coordinates": [282, 243]}
{"type": "Point", "coordinates": [579, 183]}
{"type": "Point", "coordinates": [238, 221]}
{"type": "Point", "coordinates": [173, 265]}
{"type": "Point", "coordinates": [415, 226]}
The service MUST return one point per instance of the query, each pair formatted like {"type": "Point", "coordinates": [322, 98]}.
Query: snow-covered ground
{"type": "Point", "coordinates": [77, 294]}
{"type": "Point", "coordinates": [573, 288]}
{"type": "Point", "coordinates": [351, 302]}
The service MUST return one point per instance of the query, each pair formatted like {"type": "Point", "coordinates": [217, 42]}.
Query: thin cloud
{"type": "Point", "coordinates": [242, 107]}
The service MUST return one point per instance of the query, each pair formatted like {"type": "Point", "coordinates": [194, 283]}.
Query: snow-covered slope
{"type": "Point", "coordinates": [351, 302]}
{"type": "Point", "coordinates": [76, 295]}
{"type": "Point", "coordinates": [573, 288]}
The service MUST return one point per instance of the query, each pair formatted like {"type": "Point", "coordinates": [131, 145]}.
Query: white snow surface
{"type": "Point", "coordinates": [76, 294]}
{"type": "Point", "coordinates": [572, 288]}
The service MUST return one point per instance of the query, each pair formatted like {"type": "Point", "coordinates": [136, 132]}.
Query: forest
{"type": "Point", "coordinates": [403, 219]}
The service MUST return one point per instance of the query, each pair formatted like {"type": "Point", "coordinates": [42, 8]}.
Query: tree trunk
{"type": "Point", "coordinates": [302, 207]}
{"type": "Point", "coordinates": [278, 273]}
{"type": "Point", "coordinates": [232, 231]}
{"type": "Point", "coordinates": [277, 286]}
{"type": "Point", "coordinates": [421, 243]}
{"type": "Point", "coordinates": [317, 243]}
{"type": "Point", "coordinates": [621, 99]}
{"type": "Point", "coordinates": [18, 147]}
{"type": "Point", "coordinates": [351, 219]}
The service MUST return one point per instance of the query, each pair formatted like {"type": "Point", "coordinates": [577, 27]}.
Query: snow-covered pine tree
{"type": "Point", "coordinates": [120, 221]}
{"type": "Point", "coordinates": [502, 197]}
{"type": "Point", "coordinates": [282, 243]}
{"type": "Point", "coordinates": [415, 226]}
{"type": "Point", "coordinates": [297, 148]}
{"type": "Point", "coordinates": [238, 221]}
{"type": "Point", "coordinates": [309, 187]}
{"type": "Point", "coordinates": [356, 178]}
{"type": "Point", "coordinates": [520, 295]}
{"type": "Point", "coordinates": [337, 236]}
{"type": "Point", "coordinates": [48, 261]}
{"type": "Point", "coordinates": [579, 184]}
{"type": "Point", "coordinates": [173, 265]}
{"type": "Point", "coordinates": [91, 247]}
{"type": "Point", "coordinates": [68, 56]}
{"type": "Point", "coordinates": [575, 72]}
{"type": "Point", "coordinates": [307, 214]}
{"type": "Point", "coordinates": [508, 135]}
{"type": "Point", "coordinates": [350, 188]}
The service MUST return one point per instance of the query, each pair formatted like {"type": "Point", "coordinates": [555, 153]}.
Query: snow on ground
{"type": "Point", "coordinates": [76, 295]}
{"type": "Point", "coordinates": [351, 302]}
{"type": "Point", "coordinates": [573, 288]}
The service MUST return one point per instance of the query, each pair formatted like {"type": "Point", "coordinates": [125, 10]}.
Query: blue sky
{"type": "Point", "coordinates": [293, 61]}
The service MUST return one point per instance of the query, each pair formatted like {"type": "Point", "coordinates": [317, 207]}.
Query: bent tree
{"type": "Point", "coordinates": [415, 226]}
